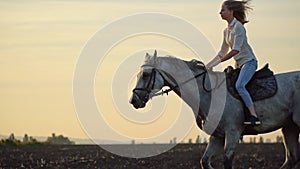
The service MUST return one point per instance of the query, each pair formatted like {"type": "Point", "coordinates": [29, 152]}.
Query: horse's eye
{"type": "Point", "coordinates": [145, 75]}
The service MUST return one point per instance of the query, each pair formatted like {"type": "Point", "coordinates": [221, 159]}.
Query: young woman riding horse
{"type": "Point", "coordinates": [235, 38]}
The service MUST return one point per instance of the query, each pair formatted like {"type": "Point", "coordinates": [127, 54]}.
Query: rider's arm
{"type": "Point", "coordinates": [218, 59]}
{"type": "Point", "coordinates": [229, 55]}
{"type": "Point", "coordinates": [224, 49]}
{"type": "Point", "coordinates": [239, 38]}
{"type": "Point", "coordinates": [214, 62]}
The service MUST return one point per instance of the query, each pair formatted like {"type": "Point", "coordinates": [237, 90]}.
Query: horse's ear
{"type": "Point", "coordinates": [147, 57]}
{"type": "Point", "coordinates": [151, 59]}
{"type": "Point", "coordinates": [155, 54]}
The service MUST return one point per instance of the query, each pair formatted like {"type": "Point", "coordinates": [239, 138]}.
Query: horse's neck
{"type": "Point", "coordinates": [201, 100]}
{"type": "Point", "coordinates": [191, 91]}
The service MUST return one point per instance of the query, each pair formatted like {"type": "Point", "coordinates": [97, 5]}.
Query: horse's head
{"type": "Point", "coordinates": [149, 80]}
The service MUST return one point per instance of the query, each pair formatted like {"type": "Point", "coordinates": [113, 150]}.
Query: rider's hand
{"type": "Point", "coordinates": [213, 63]}
{"type": "Point", "coordinates": [209, 66]}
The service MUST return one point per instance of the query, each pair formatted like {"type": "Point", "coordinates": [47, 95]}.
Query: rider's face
{"type": "Point", "coordinates": [225, 13]}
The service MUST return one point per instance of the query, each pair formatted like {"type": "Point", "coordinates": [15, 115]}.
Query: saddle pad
{"type": "Point", "coordinates": [260, 87]}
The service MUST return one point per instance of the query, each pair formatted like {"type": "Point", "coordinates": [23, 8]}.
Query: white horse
{"type": "Point", "coordinates": [280, 111]}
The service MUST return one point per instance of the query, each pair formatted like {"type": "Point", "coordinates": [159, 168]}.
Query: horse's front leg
{"type": "Point", "coordinates": [214, 146]}
{"type": "Point", "coordinates": [231, 140]}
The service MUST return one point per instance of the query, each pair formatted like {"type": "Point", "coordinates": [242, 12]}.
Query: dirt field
{"type": "Point", "coordinates": [183, 156]}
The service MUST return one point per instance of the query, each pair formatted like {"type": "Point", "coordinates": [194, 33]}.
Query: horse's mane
{"type": "Point", "coordinates": [193, 64]}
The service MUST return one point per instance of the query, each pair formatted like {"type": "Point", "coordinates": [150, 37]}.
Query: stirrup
{"type": "Point", "coordinates": [252, 121]}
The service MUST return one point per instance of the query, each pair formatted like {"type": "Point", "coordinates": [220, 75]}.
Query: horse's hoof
{"type": "Point", "coordinates": [288, 164]}
{"type": "Point", "coordinates": [205, 165]}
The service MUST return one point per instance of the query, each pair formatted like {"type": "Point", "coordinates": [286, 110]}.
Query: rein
{"type": "Point", "coordinates": [182, 83]}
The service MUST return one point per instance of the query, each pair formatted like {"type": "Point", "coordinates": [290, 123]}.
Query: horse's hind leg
{"type": "Point", "coordinates": [296, 120]}
{"type": "Point", "coordinates": [292, 149]}
{"type": "Point", "coordinates": [214, 146]}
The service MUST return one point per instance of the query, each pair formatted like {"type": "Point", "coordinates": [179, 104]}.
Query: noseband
{"type": "Point", "coordinates": [149, 87]}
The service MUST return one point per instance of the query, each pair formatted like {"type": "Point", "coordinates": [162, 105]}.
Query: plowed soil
{"type": "Point", "coordinates": [182, 156]}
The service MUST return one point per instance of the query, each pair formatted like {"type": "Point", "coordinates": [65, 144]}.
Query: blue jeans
{"type": "Point", "coordinates": [247, 71]}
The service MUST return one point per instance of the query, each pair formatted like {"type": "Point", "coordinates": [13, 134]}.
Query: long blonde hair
{"type": "Point", "coordinates": [240, 8]}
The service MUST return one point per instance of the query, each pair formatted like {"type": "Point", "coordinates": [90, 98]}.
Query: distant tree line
{"type": "Point", "coordinates": [27, 140]}
{"type": "Point", "coordinates": [58, 140]}
{"type": "Point", "coordinates": [252, 140]}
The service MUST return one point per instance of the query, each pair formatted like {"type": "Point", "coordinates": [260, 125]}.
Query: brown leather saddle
{"type": "Point", "coordinates": [263, 84]}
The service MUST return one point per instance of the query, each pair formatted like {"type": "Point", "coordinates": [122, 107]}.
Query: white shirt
{"type": "Point", "coordinates": [235, 38]}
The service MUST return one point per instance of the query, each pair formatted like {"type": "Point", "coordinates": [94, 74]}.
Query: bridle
{"type": "Point", "coordinates": [149, 88]}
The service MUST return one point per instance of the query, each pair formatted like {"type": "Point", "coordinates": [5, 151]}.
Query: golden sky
{"type": "Point", "coordinates": [41, 41]}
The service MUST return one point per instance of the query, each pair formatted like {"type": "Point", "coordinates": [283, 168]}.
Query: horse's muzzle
{"type": "Point", "coordinates": [136, 101]}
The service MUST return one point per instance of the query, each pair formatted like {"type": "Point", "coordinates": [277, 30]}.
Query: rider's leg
{"type": "Point", "coordinates": [246, 73]}
{"type": "Point", "coordinates": [252, 110]}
